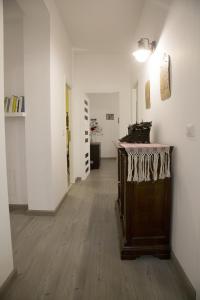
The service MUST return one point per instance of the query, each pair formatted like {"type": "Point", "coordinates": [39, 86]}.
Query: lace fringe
{"type": "Point", "coordinates": [144, 166]}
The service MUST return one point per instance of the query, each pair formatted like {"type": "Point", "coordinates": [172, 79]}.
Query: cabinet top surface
{"type": "Point", "coordinates": [142, 146]}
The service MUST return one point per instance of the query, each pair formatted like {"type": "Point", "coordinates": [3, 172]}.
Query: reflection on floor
{"type": "Point", "coordinates": [75, 254]}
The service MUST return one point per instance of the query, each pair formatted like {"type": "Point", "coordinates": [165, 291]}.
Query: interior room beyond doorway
{"type": "Point", "coordinates": [104, 107]}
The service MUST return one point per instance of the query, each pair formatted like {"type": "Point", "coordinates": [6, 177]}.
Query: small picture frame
{"type": "Point", "coordinates": [110, 117]}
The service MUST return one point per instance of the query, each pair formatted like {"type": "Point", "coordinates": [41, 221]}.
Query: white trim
{"type": "Point", "coordinates": [15, 114]}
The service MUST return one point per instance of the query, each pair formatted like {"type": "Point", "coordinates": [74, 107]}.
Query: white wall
{"type": "Point", "coordinates": [47, 69]}
{"type": "Point", "coordinates": [100, 105]}
{"type": "Point", "coordinates": [14, 49]}
{"type": "Point", "coordinates": [14, 85]}
{"type": "Point", "coordinates": [37, 95]}
{"type": "Point", "coordinates": [16, 160]}
{"type": "Point", "coordinates": [106, 73]}
{"type": "Point", "coordinates": [6, 260]}
{"type": "Point", "coordinates": [134, 105]}
{"type": "Point", "coordinates": [61, 74]}
{"type": "Point", "coordinates": [181, 40]}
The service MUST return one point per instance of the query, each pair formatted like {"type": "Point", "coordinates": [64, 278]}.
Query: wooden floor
{"type": "Point", "coordinates": [75, 254]}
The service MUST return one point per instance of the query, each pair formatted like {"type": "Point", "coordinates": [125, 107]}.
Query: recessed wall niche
{"type": "Point", "coordinates": [14, 85]}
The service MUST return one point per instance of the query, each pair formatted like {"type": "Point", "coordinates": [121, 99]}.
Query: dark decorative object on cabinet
{"type": "Point", "coordinates": [138, 133]}
{"type": "Point", "coordinates": [144, 214]}
{"type": "Point", "coordinates": [95, 155]}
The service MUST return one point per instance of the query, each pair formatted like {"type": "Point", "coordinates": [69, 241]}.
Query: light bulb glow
{"type": "Point", "coordinates": [142, 55]}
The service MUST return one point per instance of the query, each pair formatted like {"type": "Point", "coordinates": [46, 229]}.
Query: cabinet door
{"type": "Point", "coordinates": [149, 205]}
{"type": "Point", "coordinates": [121, 189]}
{"type": "Point", "coordinates": [127, 218]}
{"type": "Point", "coordinates": [119, 175]}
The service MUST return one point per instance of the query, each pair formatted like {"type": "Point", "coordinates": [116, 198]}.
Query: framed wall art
{"type": "Point", "coordinates": [165, 85]}
{"type": "Point", "coordinates": [109, 116]}
{"type": "Point", "coordinates": [147, 95]}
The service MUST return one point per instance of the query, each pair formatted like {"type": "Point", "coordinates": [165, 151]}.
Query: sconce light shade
{"type": "Point", "coordinates": [145, 49]}
{"type": "Point", "coordinates": [141, 55]}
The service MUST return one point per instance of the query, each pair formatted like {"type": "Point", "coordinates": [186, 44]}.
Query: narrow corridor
{"type": "Point", "coordinates": [75, 254]}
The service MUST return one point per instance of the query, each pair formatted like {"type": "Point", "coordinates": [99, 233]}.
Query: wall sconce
{"type": "Point", "coordinates": [145, 49]}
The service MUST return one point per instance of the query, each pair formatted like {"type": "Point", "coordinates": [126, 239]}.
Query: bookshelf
{"type": "Point", "coordinates": [14, 106]}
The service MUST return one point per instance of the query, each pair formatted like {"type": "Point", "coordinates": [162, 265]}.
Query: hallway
{"type": "Point", "coordinates": [75, 255]}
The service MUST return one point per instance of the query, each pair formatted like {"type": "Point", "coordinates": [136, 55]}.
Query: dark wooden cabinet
{"type": "Point", "coordinates": [144, 213]}
{"type": "Point", "coordinates": [95, 155]}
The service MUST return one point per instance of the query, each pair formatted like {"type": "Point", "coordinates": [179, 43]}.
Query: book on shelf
{"type": "Point", "coordinates": [6, 104]}
{"type": "Point", "coordinates": [14, 104]}
{"type": "Point", "coordinates": [10, 105]}
{"type": "Point", "coordinates": [18, 104]}
{"type": "Point", "coordinates": [22, 104]}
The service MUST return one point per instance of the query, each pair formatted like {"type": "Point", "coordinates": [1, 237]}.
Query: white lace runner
{"type": "Point", "coordinates": [147, 161]}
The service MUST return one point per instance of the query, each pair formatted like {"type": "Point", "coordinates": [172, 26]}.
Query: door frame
{"type": "Point", "coordinates": [69, 176]}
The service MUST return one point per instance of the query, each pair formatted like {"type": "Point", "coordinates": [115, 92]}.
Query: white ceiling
{"type": "Point", "coordinates": [101, 25]}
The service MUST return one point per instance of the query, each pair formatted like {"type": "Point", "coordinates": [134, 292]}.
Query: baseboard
{"type": "Point", "coordinates": [187, 285]}
{"type": "Point", "coordinates": [7, 282]}
{"type": "Point", "coordinates": [18, 207]}
{"type": "Point", "coordinates": [37, 212]}
{"type": "Point", "coordinates": [47, 212]}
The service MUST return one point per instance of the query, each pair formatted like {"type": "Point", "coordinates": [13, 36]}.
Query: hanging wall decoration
{"type": "Point", "coordinates": [165, 88]}
{"type": "Point", "coordinates": [147, 95]}
{"type": "Point", "coordinates": [109, 116]}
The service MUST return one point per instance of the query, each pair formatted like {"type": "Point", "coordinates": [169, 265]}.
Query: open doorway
{"type": "Point", "coordinates": [104, 108]}
{"type": "Point", "coordinates": [68, 133]}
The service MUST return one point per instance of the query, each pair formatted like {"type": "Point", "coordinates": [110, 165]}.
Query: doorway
{"type": "Point", "coordinates": [104, 108]}
{"type": "Point", "coordinates": [68, 133]}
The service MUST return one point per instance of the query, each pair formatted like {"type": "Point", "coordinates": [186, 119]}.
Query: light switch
{"type": "Point", "coordinates": [190, 130]}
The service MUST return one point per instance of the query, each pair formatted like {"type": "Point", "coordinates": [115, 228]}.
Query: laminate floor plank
{"type": "Point", "coordinates": [75, 254]}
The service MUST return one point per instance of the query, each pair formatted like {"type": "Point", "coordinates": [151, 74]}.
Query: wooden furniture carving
{"type": "Point", "coordinates": [144, 214]}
